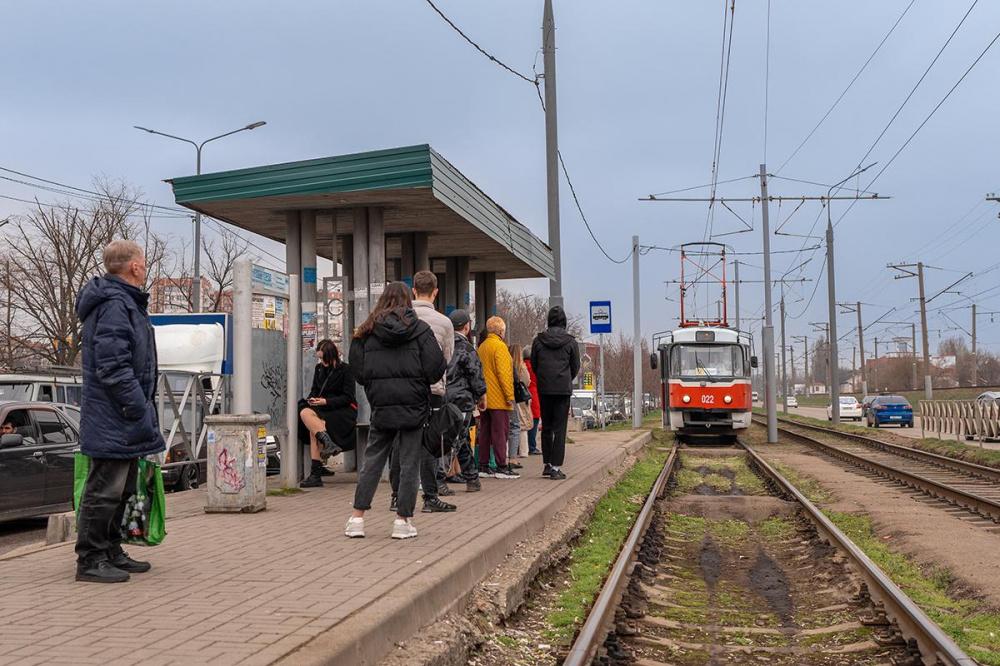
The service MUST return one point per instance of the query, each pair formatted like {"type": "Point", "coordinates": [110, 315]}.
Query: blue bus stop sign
{"type": "Point", "coordinates": [600, 317]}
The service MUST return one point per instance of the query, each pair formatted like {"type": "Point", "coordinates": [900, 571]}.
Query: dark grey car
{"type": "Point", "coordinates": [36, 459]}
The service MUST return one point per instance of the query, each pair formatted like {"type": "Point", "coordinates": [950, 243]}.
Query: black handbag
{"type": "Point", "coordinates": [442, 429]}
{"type": "Point", "coordinates": [521, 392]}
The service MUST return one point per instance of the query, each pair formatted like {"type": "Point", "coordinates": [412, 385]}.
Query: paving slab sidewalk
{"type": "Point", "coordinates": [285, 584]}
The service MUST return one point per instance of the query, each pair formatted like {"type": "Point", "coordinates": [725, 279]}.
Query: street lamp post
{"type": "Point", "coordinates": [196, 286]}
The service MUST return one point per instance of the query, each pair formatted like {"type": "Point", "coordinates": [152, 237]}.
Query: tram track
{"type": "Point", "coordinates": [973, 488]}
{"type": "Point", "coordinates": [735, 565]}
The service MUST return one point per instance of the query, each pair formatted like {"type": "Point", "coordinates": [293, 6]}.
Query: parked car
{"type": "Point", "coordinates": [988, 397]}
{"type": "Point", "coordinates": [886, 409]}
{"type": "Point", "coordinates": [754, 396]}
{"type": "Point", "coordinates": [36, 459]}
{"type": "Point", "coordinates": [850, 408]}
{"type": "Point", "coordinates": [865, 404]}
{"type": "Point", "coordinates": [792, 401]}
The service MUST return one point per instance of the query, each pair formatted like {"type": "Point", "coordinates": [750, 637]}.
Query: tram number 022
{"type": "Point", "coordinates": [708, 399]}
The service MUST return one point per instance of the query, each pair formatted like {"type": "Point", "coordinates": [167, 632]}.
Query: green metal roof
{"type": "Point", "coordinates": [417, 188]}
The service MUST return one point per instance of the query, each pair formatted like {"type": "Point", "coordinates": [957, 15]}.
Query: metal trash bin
{"type": "Point", "coordinates": [237, 463]}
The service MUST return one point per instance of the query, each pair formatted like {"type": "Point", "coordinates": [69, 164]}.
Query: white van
{"type": "Point", "coordinates": [56, 387]}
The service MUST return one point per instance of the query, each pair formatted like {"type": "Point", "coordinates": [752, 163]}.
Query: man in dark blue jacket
{"type": "Point", "coordinates": [118, 419]}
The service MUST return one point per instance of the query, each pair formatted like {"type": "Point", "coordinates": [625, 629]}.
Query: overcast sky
{"type": "Point", "coordinates": [638, 84]}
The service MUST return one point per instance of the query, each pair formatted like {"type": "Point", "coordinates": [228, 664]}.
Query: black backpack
{"type": "Point", "coordinates": [442, 429]}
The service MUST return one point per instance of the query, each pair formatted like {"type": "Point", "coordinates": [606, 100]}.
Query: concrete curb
{"type": "Point", "coordinates": [370, 634]}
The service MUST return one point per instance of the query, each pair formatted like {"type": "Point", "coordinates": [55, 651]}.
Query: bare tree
{"type": "Point", "coordinates": [525, 316]}
{"type": "Point", "coordinates": [221, 257]}
{"type": "Point", "coordinates": [54, 251]}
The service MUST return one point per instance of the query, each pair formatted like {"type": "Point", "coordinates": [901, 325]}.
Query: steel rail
{"type": "Point", "coordinates": [954, 464]}
{"type": "Point", "coordinates": [976, 503]}
{"type": "Point", "coordinates": [602, 615]}
{"type": "Point", "coordinates": [935, 646]}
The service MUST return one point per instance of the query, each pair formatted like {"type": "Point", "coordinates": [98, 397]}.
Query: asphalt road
{"type": "Point", "coordinates": [17, 533]}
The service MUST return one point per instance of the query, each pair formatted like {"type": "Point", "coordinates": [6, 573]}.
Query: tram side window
{"type": "Point", "coordinates": [707, 361]}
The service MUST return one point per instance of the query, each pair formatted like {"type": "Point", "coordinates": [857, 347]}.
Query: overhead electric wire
{"type": "Point", "coordinates": [136, 201]}
{"type": "Point", "coordinates": [721, 110]}
{"type": "Point", "coordinates": [476, 46]}
{"type": "Point", "coordinates": [50, 204]}
{"type": "Point", "coordinates": [845, 90]}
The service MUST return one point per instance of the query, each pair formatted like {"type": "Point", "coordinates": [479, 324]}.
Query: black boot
{"type": "Point", "coordinates": [314, 480]}
{"type": "Point", "coordinates": [326, 445]}
{"type": "Point", "coordinates": [101, 571]}
{"type": "Point", "coordinates": [125, 563]}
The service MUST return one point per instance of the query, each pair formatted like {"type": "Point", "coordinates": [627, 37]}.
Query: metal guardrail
{"type": "Point", "coordinates": [962, 419]}
{"type": "Point", "coordinates": [183, 401]}
{"type": "Point", "coordinates": [602, 615]}
{"type": "Point", "coordinates": [934, 644]}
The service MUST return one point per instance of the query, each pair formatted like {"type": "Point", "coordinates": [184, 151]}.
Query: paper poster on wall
{"type": "Point", "coordinates": [308, 331]}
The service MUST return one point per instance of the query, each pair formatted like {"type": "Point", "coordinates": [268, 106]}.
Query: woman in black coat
{"type": "Point", "coordinates": [331, 413]}
{"type": "Point", "coordinates": [396, 358]}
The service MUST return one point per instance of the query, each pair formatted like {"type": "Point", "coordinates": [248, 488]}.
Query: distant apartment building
{"type": "Point", "coordinates": [171, 295]}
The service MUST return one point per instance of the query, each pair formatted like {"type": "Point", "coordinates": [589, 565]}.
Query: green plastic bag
{"type": "Point", "coordinates": [145, 518]}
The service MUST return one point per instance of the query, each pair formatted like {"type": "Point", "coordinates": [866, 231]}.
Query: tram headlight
{"type": "Point", "coordinates": [686, 399]}
{"type": "Point", "coordinates": [728, 399]}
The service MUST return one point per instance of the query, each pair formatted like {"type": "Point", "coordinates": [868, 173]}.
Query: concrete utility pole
{"type": "Point", "coordinates": [975, 361]}
{"type": "Point", "coordinates": [552, 150]}
{"type": "Point", "coordinates": [906, 272]}
{"type": "Point", "coordinates": [636, 340]}
{"type": "Point", "coordinates": [736, 303]}
{"type": "Point", "coordinates": [876, 365]}
{"type": "Point", "coordinates": [784, 372]}
{"type": "Point", "coordinates": [928, 387]}
{"type": "Point", "coordinates": [768, 333]}
{"type": "Point", "coordinates": [861, 350]}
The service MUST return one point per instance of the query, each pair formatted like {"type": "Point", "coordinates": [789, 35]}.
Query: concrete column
{"type": "Point", "coordinates": [421, 259]}
{"type": "Point", "coordinates": [450, 286]}
{"type": "Point", "coordinates": [490, 284]}
{"type": "Point", "coordinates": [407, 263]}
{"type": "Point", "coordinates": [439, 302]}
{"type": "Point", "coordinates": [293, 261]}
{"type": "Point", "coordinates": [462, 278]}
{"type": "Point", "coordinates": [479, 320]}
{"type": "Point", "coordinates": [360, 267]}
{"type": "Point", "coordinates": [310, 332]}
{"type": "Point", "coordinates": [376, 254]}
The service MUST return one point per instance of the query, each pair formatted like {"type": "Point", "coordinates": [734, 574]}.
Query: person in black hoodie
{"type": "Point", "coordinates": [396, 358]}
{"type": "Point", "coordinates": [326, 421]}
{"type": "Point", "coordinates": [555, 358]}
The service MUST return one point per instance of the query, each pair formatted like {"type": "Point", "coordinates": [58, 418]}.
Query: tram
{"type": "Point", "coordinates": [704, 381]}
{"type": "Point", "coordinates": [705, 365]}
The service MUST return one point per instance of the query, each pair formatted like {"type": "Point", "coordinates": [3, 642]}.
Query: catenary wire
{"type": "Point", "coordinates": [845, 90]}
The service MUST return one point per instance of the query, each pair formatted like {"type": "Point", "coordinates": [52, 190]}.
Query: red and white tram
{"type": "Point", "coordinates": [705, 381]}
{"type": "Point", "coordinates": [704, 365]}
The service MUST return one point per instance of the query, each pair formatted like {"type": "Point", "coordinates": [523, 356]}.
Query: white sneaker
{"type": "Point", "coordinates": [355, 528]}
{"type": "Point", "coordinates": [507, 473]}
{"type": "Point", "coordinates": [403, 529]}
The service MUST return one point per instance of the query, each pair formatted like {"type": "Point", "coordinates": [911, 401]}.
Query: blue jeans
{"type": "Point", "coordinates": [533, 437]}
{"type": "Point", "coordinates": [514, 438]}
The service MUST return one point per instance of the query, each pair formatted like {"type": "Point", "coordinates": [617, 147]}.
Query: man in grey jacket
{"type": "Point", "coordinates": [425, 290]}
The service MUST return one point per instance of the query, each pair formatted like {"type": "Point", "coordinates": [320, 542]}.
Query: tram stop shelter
{"type": "Point", "coordinates": [379, 216]}
{"type": "Point", "coordinates": [382, 215]}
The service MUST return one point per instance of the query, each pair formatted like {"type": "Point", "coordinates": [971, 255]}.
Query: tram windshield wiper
{"type": "Point", "coordinates": [701, 366]}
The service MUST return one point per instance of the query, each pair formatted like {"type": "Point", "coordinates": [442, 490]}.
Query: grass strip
{"type": "Point", "coordinates": [600, 544]}
{"type": "Point", "coordinates": [969, 622]}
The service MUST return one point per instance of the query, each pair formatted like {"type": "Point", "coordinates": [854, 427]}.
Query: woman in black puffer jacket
{"type": "Point", "coordinates": [396, 358]}
{"type": "Point", "coordinates": [328, 415]}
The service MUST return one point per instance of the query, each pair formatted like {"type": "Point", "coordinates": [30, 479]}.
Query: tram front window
{"type": "Point", "coordinates": [707, 362]}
